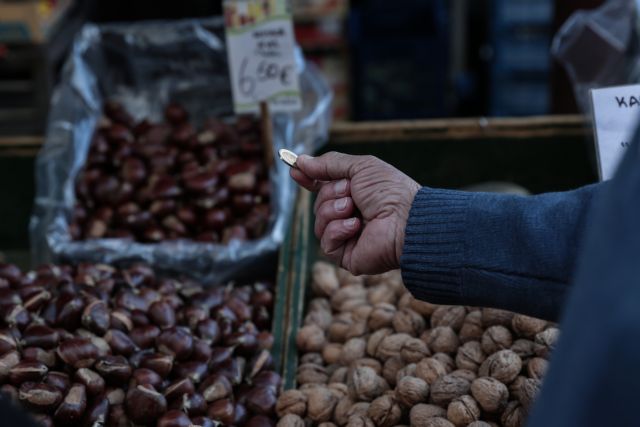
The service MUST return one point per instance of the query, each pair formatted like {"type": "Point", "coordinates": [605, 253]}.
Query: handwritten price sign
{"type": "Point", "coordinates": [261, 46]}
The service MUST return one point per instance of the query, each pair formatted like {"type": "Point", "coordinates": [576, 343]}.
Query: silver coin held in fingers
{"type": "Point", "coordinates": [289, 157]}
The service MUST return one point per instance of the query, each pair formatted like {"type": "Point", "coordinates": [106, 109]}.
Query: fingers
{"type": "Point", "coordinates": [328, 167]}
{"type": "Point", "coordinates": [303, 180]}
{"type": "Point", "coordinates": [332, 190]}
{"type": "Point", "coordinates": [332, 210]}
{"type": "Point", "coordinates": [336, 235]}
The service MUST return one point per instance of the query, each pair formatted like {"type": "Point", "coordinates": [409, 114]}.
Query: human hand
{"type": "Point", "coordinates": [361, 210]}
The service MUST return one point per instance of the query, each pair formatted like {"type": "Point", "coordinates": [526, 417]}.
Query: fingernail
{"type": "Point", "coordinates": [340, 187]}
{"type": "Point", "coordinates": [340, 204]}
{"type": "Point", "coordinates": [350, 223]}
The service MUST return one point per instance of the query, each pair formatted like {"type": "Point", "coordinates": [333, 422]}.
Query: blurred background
{"type": "Point", "coordinates": [385, 60]}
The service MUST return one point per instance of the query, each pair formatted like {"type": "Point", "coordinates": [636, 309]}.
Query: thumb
{"type": "Point", "coordinates": [328, 167]}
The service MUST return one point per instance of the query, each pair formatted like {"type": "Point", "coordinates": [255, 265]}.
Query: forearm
{"type": "Point", "coordinates": [495, 250]}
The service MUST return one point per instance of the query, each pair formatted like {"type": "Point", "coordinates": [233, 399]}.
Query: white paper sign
{"type": "Point", "coordinates": [260, 45]}
{"type": "Point", "coordinates": [615, 117]}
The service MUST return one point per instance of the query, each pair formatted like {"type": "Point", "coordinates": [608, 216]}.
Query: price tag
{"type": "Point", "coordinates": [260, 45]}
{"type": "Point", "coordinates": [615, 117]}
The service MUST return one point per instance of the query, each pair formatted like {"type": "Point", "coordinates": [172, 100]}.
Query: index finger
{"type": "Point", "coordinates": [328, 167]}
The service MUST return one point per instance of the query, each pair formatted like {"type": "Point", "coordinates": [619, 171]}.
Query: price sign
{"type": "Point", "coordinates": [615, 117]}
{"type": "Point", "coordinates": [260, 45]}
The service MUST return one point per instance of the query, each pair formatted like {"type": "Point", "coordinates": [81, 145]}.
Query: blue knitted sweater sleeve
{"type": "Point", "coordinates": [494, 250]}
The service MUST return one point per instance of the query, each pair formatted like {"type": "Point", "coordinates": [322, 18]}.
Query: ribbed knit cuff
{"type": "Point", "coordinates": [434, 245]}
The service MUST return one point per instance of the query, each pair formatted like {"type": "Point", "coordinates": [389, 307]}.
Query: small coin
{"type": "Point", "coordinates": [289, 157]}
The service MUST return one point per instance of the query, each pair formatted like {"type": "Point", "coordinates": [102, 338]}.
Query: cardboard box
{"type": "Point", "coordinates": [30, 20]}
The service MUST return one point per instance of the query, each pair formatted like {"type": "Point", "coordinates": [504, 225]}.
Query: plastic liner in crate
{"type": "Point", "coordinates": [144, 66]}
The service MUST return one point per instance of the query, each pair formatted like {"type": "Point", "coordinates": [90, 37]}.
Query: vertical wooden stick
{"type": "Point", "coordinates": [267, 133]}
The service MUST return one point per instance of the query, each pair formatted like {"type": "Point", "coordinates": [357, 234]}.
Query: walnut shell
{"type": "Point", "coordinates": [332, 353]}
{"type": "Point", "coordinates": [523, 348]}
{"type": "Point", "coordinates": [479, 424]}
{"type": "Point", "coordinates": [352, 350]}
{"type": "Point", "coordinates": [315, 358]}
{"type": "Point", "coordinates": [472, 328]}
{"type": "Point", "coordinates": [347, 279]}
{"type": "Point", "coordinates": [382, 293]}
{"type": "Point", "coordinates": [494, 316]}
{"type": "Point", "coordinates": [385, 411]}
{"type": "Point", "coordinates": [408, 321]}
{"type": "Point", "coordinates": [340, 390]}
{"type": "Point", "coordinates": [341, 411]}
{"type": "Point", "coordinates": [360, 421]}
{"type": "Point", "coordinates": [545, 341]}
{"type": "Point", "coordinates": [408, 371]}
{"type": "Point", "coordinates": [446, 360]}
{"type": "Point", "coordinates": [437, 422]}
{"type": "Point", "coordinates": [348, 297]}
{"type": "Point", "coordinates": [327, 424]}
{"type": "Point", "coordinates": [490, 394]}
{"type": "Point", "coordinates": [292, 402]}
{"type": "Point", "coordinates": [321, 402]}
{"type": "Point", "coordinates": [391, 368]}
{"type": "Point", "coordinates": [339, 375]}
{"type": "Point", "coordinates": [362, 313]}
{"type": "Point", "coordinates": [320, 318]}
{"type": "Point", "coordinates": [310, 338]}
{"type": "Point", "coordinates": [470, 356]}
{"type": "Point", "coordinates": [375, 339]}
{"type": "Point", "coordinates": [447, 388]}
{"type": "Point", "coordinates": [464, 373]}
{"type": "Point", "coordinates": [430, 369]}
{"type": "Point", "coordinates": [504, 366]}
{"type": "Point", "coordinates": [411, 391]}
{"type": "Point", "coordinates": [324, 279]}
{"type": "Point", "coordinates": [359, 408]}
{"type": "Point", "coordinates": [365, 385]}
{"type": "Point", "coordinates": [310, 373]}
{"type": "Point", "coordinates": [340, 327]}
{"type": "Point", "coordinates": [358, 329]}
{"type": "Point", "coordinates": [381, 316]}
{"type": "Point", "coordinates": [391, 345]}
{"type": "Point", "coordinates": [449, 315]}
{"type": "Point", "coordinates": [496, 338]}
{"type": "Point", "coordinates": [422, 412]}
{"type": "Point", "coordinates": [513, 415]}
{"type": "Point", "coordinates": [322, 304]}
{"type": "Point", "coordinates": [414, 350]}
{"type": "Point", "coordinates": [443, 339]}
{"type": "Point", "coordinates": [291, 420]}
{"type": "Point", "coordinates": [528, 392]}
{"type": "Point", "coordinates": [537, 367]}
{"type": "Point", "coordinates": [527, 326]}
{"type": "Point", "coordinates": [368, 362]}
{"type": "Point", "coordinates": [463, 410]}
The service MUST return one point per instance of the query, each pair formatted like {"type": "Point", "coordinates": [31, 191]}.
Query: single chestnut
{"type": "Point", "coordinates": [175, 341]}
{"type": "Point", "coordinates": [72, 408]}
{"type": "Point", "coordinates": [27, 371]}
{"type": "Point", "coordinates": [36, 335]}
{"type": "Point", "coordinates": [114, 369]}
{"type": "Point", "coordinates": [174, 418]}
{"type": "Point", "coordinates": [222, 410]}
{"type": "Point", "coordinates": [95, 317]}
{"type": "Point", "coordinates": [162, 314]}
{"type": "Point", "coordinates": [178, 389]}
{"type": "Point", "coordinates": [92, 381]}
{"type": "Point", "coordinates": [39, 397]}
{"type": "Point", "coordinates": [143, 376]}
{"type": "Point", "coordinates": [144, 405]}
{"type": "Point", "coordinates": [144, 336]}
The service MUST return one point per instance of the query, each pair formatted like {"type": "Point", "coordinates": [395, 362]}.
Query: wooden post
{"type": "Point", "coordinates": [267, 133]}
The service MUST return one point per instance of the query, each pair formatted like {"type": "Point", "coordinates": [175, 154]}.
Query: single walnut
{"type": "Point", "coordinates": [494, 316]}
{"type": "Point", "coordinates": [352, 350]}
{"type": "Point", "coordinates": [385, 411]}
{"type": "Point", "coordinates": [449, 315]}
{"type": "Point", "coordinates": [341, 411]}
{"type": "Point", "coordinates": [496, 338]}
{"type": "Point", "coordinates": [463, 410]}
{"type": "Point", "coordinates": [430, 369]}
{"type": "Point", "coordinates": [381, 294]}
{"type": "Point", "coordinates": [291, 420]}
{"type": "Point", "coordinates": [446, 360]}
{"type": "Point", "coordinates": [391, 368]}
{"type": "Point", "coordinates": [362, 313]}
{"type": "Point", "coordinates": [464, 373]}
{"type": "Point", "coordinates": [421, 307]}
{"type": "Point", "coordinates": [310, 338]}
{"type": "Point", "coordinates": [375, 339]}
{"type": "Point", "coordinates": [514, 415]}
{"type": "Point", "coordinates": [470, 356]}
{"type": "Point", "coordinates": [408, 371]}
{"type": "Point", "coordinates": [414, 350]}
{"type": "Point", "coordinates": [527, 326]}
{"type": "Point", "coordinates": [340, 326]}
{"type": "Point", "coordinates": [325, 279]}
{"type": "Point", "coordinates": [321, 402]}
{"type": "Point", "coordinates": [391, 345]}
{"type": "Point", "coordinates": [359, 408]}
{"type": "Point", "coordinates": [320, 318]}
{"type": "Point", "coordinates": [347, 279]}
{"type": "Point", "coordinates": [447, 388]}
{"type": "Point", "coordinates": [411, 391]}
{"type": "Point", "coordinates": [422, 412]}
{"type": "Point", "coordinates": [340, 390]}
{"type": "Point", "coordinates": [443, 339]}
{"type": "Point", "coordinates": [523, 348]}
{"type": "Point", "coordinates": [358, 329]}
{"type": "Point", "coordinates": [315, 358]}
{"type": "Point", "coordinates": [472, 329]}
{"type": "Point", "coordinates": [490, 393]}
{"type": "Point", "coordinates": [537, 367]}
{"type": "Point", "coordinates": [528, 392]}
{"type": "Point", "coordinates": [437, 422]}
{"type": "Point", "coordinates": [310, 373]}
{"type": "Point", "coordinates": [381, 316]}
{"type": "Point", "coordinates": [545, 341]}
{"type": "Point", "coordinates": [332, 352]}
{"type": "Point", "coordinates": [364, 384]}
{"type": "Point", "coordinates": [292, 402]}
{"type": "Point", "coordinates": [317, 304]}
{"type": "Point", "coordinates": [408, 321]}
{"type": "Point", "coordinates": [504, 366]}
{"type": "Point", "coordinates": [339, 375]}
{"type": "Point", "coordinates": [348, 297]}
{"type": "Point", "coordinates": [360, 421]}
{"type": "Point", "coordinates": [368, 362]}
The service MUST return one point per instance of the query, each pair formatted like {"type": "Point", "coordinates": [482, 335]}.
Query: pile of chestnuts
{"type": "Point", "coordinates": [373, 356]}
{"type": "Point", "coordinates": [95, 346]}
{"type": "Point", "coordinates": [164, 181]}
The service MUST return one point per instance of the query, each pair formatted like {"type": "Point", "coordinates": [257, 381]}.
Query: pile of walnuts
{"type": "Point", "coordinates": [373, 356]}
